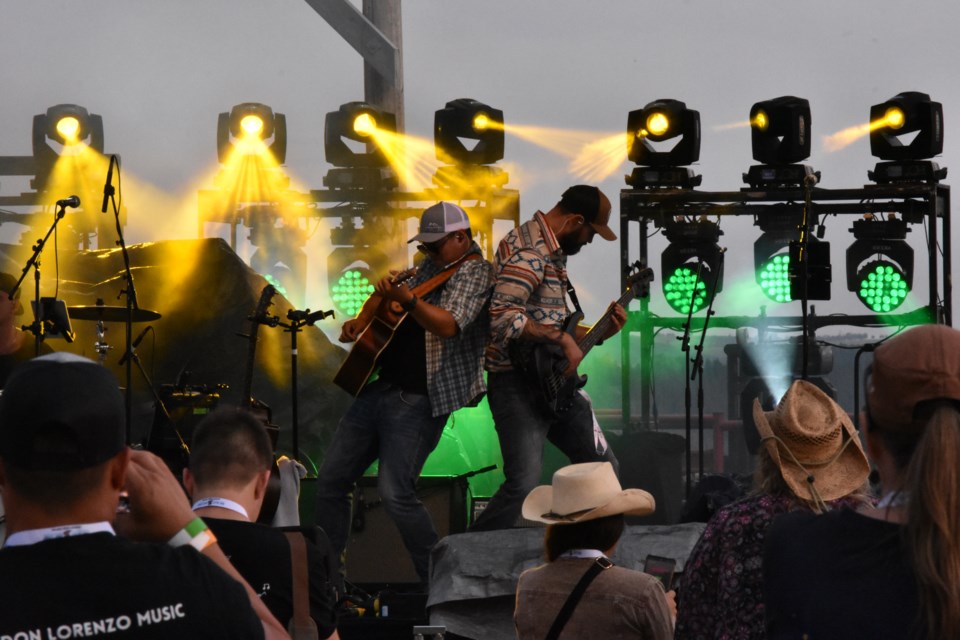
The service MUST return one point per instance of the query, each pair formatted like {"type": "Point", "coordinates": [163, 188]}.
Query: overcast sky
{"type": "Point", "coordinates": [160, 72]}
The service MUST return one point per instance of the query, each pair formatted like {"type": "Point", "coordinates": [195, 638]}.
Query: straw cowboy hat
{"type": "Point", "coordinates": [813, 442]}
{"type": "Point", "coordinates": [582, 492]}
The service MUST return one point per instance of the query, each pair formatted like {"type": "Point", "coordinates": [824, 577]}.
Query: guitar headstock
{"type": "Point", "coordinates": [639, 278]}
{"type": "Point", "coordinates": [263, 304]}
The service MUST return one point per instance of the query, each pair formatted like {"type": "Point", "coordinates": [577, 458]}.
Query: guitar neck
{"type": "Point", "coordinates": [597, 331]}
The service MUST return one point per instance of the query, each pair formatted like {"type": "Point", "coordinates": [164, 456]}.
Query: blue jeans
{"type": "Point", "coordinates": [395, 427]}
{"type": "Point", "coordinates": [523, 426]}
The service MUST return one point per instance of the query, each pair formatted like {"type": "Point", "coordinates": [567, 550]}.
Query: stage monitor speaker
{"type": "Point", "coordinates": [375, 551]}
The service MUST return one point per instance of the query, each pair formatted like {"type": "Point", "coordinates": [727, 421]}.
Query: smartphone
{"type": "Point", "coordinates": [662, 569]}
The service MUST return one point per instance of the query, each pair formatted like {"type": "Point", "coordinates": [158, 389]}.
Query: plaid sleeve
{"type": "Point", "coordinates": [520, 275]}
{"type": "Point", "coordinates": [468, 290]}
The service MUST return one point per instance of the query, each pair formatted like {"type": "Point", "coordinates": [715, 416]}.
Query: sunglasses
{"type": "Point", "coordinates": [433, 248]}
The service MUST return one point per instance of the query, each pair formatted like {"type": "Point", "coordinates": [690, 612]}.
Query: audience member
{"type": "Point", "coordinates": [890, 570]}
{"type": "Point", "coordinates": [63, 571]}
{"type": "Point", "coordinates": [227, 477]}
{"type": "Point", "coordinates": [584, 510]}
{"type": "Point", "coordinates": [810, 459]}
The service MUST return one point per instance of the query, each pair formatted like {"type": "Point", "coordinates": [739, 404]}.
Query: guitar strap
{"type": "Point", "coordinates": [427, 286]}
{"type": "Point", "coordinates": [573, 296]}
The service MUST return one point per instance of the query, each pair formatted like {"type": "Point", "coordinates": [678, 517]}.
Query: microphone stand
{"type": "Point", "coordinates": [36, 328]}
{"type": "Point", "coordinates": [129, 290]}
{"type": "Point", "coordinates": [685, 349]}
{"type": "Point", "coordinates": [698, 359]}
{"type": "Point", "coordinates": [298, 320]}
{"type": "Point", "coordinates": [804, 265]}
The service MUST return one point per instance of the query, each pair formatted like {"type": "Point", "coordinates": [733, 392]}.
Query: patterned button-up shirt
{"type": "Point", "coordinates": [455, 364]}
{"type": "Point", "coordinates": [531, 273]}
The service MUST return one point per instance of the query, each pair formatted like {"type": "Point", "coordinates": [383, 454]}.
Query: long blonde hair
{"type": "Point", "coordinates": [933, 482]}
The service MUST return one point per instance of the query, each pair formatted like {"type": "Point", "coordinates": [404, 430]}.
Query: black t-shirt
{"type": "Point", "coordinates": [262, 556]}
{"type": "Point", "coordinates": [838, 575]}
{"type": "Point", "coordinates": [404, 361]}
{"type": "Point", "coordinates": [103, 586]}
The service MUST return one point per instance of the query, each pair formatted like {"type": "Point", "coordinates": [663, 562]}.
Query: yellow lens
{"type": "Point", "coordinates": [894, 117]}
{"type": "Point", "coordinates": [68, 128]}
{"type": "Point", "coordinates": [760, 121]}
{"type": "Point", "coordinates": [364, 124]}
{"type": "Point", "coordinates": [252, 125]}
{"type": "Point", "coordinates": [657, 123]}
{"type": "Point", "coordinates": [480, 122]}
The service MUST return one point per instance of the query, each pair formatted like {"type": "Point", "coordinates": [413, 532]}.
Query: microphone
{"type": "Point", "coordinates": [136, 343]}
{"type": "Point", "coordinates": [72, 201]}
{"type": "Point", "coordinates": [108, 186]}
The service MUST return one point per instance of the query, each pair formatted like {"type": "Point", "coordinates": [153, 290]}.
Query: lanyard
{"type": "Point", "coordinates": [33, 536]}
{"type": "Point", "coordinates": [223, 503]}
{"type": "Point", "coordinates": [582, 553]}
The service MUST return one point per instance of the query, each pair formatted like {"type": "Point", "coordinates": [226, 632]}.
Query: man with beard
{"type": "Point", "coordinates": [529, 307]}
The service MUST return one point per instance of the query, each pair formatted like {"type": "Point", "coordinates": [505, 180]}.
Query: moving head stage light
{"type": "Point", "coordinates": [464, 121]}
{"type": "Point", "coordinates": [662, 166]}
{"type": "Point", "coordinates": [780, 138]}
{"type": "Point", "coordinates": [252, 128]}
{"type": "Point", "coordinates": [892, 124]}
{"type": "Point", "coordinates": [360, 124]}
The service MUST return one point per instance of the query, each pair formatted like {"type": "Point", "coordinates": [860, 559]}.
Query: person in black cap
{"type": "Point", "coordinates": [63, 571]}
{"type": "Point", "coordinates": [529, 307]}
{"type": "Point", "coordinates": [15, 345]}
{"type": "Point", "coordinates": [432, 366]}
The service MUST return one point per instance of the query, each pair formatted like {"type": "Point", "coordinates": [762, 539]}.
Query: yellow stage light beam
{"type": "Point", "coordinates": [411, 157]}
{"type": "Point", "coordinates": [565, 142]}
{"type": "Point", "coordinates": [658, 123]}
{"type": "Point", "coordinates": [481, 122]}
{"type": "Point", "coordinates": [598, 159]}
{"type": "Point", "coordinates": [893, 118]}
{"type": "Point", "coordinates": [365, 124]}
{"type": "Point", "coordinates": [731, 125]}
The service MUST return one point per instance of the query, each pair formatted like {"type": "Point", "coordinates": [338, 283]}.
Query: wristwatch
{"type": "Point", "coordinates": [409, 304]}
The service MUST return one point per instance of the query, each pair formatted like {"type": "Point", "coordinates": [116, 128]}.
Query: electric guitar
{"type": "Point", "coordinates": [543, 364]}
{"type": "Point", "coordinates": [262, 411]}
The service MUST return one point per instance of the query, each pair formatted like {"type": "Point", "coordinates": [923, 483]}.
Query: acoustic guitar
{"type": "Point", "coordinates": [543, 365]}
{"type": "Point", "coordinates": [385, 318]}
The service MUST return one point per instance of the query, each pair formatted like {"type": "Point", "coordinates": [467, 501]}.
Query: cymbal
{"type": "Point", "coordinates": [110, 314]}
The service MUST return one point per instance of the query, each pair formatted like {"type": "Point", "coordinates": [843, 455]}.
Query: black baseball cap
{"type": "Point", "coordinates": [61, 412]}
{"type": "Point", "coordinates": [588, 201]}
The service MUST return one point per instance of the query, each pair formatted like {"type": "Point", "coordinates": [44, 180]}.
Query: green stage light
{"type": "Point", "coordinates": [880, 263]}
{"type": "Point", "coordinates": [351, 290]}
{"type": "Point", "coordinates": [681, 289]}
{"type": "Point", "coordinates": [774, 278]}
{"type": "Point", "coordinates": [692, 242]}
{"type": "Point", "coordinates": [883, 286]}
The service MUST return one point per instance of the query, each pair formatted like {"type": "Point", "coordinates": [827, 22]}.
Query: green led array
{"type": "Point", "coordinates": [351, 291]}
{"type": "Point", "coordinates": [775, 278]}
{"type": "Point", "coordinates": [679, 292]}
{"type": "Point", "coordinates": [882, 287]}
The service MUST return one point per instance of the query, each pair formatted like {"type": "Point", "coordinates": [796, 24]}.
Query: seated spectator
{"type": "Point", "coordinates": [811, 460]}
{"type": "Point", "coordinates": [890, 570]}
{"type": "Point", "coordinates": [63, 571]}
{"type": "Point", "coordinates": [227, 475]}
{"type": "Point", "coordinates": [584, 510]}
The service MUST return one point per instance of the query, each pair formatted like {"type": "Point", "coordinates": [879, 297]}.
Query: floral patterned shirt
{"type": "Point", "coordinates": [721, 591]}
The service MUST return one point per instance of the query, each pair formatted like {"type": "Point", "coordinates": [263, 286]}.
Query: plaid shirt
{"type": "Point", "coordinates": [455, 365]}
{"type": "Point", "coordinates": [531, 274]}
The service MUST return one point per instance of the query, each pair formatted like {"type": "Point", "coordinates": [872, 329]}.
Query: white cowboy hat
{"type": "Point", "coordinates": [582, 492]}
